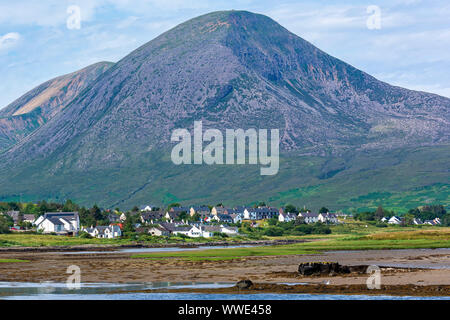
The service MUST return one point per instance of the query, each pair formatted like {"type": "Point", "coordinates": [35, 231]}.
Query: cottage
{"type": "Point", "coordinates": [261, 213]}
{"type": "Point", "coordinates": [108, 232]}
{"type": "Point", "coordinates": [203, 211]}
{"type": "Point", "coordinates": [146, 208]}
{"type": "Point", "coordinates": [218, 210]}
{"type": "Point", "coordinates": [58, 222]}
{"type": "Point", "coordinates": [225, 218]}
{"type": "Point", "coordinates": [237, 217]}
{"type": "Point", "coordinates": [309, 217]}
{"type": "Point", "coordinates": [327, 218]}
{"type": "Point", "coordinates": [229, 230]}
{"type": "Point", "coordinates": [152, 216]}
{"type": "Point", "coordinates": [158, 231]}
{"type": "Point", "coordinates": [395, 220]}
{"type": "Point", "coordinates": [287, 217]}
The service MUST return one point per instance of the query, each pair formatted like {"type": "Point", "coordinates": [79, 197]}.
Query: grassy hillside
{"type": "Point", "coordinates": [397, 179]}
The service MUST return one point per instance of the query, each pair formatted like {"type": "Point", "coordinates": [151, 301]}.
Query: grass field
{"type": "Point", "coordinates": [410, 238]}
{"type": "Point", "coordinates": [12, 261]}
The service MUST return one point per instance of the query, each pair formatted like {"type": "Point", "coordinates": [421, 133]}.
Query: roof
{"type": "Point", "coordinates": [224, 217]}
{"type": "Point", "coordinates": [67, 215]}
{"type": "Point", "coordinates": [149, 215]}
{"type": "Point", "coordinates": [168, 226]}
{"type": "Point", "coordinates": [288, 214]}
{"type": "Point", "coordinates": [179, 209]}
{"type": "Point", "coordinates": [28, 217]}
{"type": "Point", "coordinates": [309, 215]}
{"type": "Point", "coordinates": [264, 210]}
{"type": "Point", "coordinates": [56, 221]}
{"type": "Point", "coordinates": [182, 229]}
{"type": "Point", "coordinates": [212, 228]}
{"type": "Point", "coordinates": [200, 208]}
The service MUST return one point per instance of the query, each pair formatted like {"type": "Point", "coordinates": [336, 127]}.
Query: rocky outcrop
{"type": "Point", "coordinates": [26, 114]}
{"type": "Point", "coordinates": [328, 268]}
{"type": "Point", "coordinates": [244, 284]}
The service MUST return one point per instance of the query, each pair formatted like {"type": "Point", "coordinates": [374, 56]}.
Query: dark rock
{"type": "Point", "coordinates": [328, 268]}
{"type": "Point", "coordinates": [244, 284]}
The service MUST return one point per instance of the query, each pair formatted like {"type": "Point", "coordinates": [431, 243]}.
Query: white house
{"type": "Point", "coordinates": [287, 217]}
{"type": "Point", "coordinates": [261, 213]}
{"type": "Point", "coordinates": [146, 208]}
{"type": "Point", "coordinates": [229, 230]}
{"type": "Point", "coordinates": [58, 222]}
{"type": "Point", "coordinates": [309, 217]}
{"type": "Point", "coordinates": [109, 232]}
{"type": "Point", "coordinates": [223, 218]}
{"type": "Point", "coordinates": [237, 217]}
{"type": "Point", "coordinates": [327, 218]}
{"type": "Point", "coordinates": [395, 220]}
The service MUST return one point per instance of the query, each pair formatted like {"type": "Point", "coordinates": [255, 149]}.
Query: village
{"type": "Point", "coordinates": [192, 221]}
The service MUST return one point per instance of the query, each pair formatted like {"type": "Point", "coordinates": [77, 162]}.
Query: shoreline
{"type": "Point", "coordinates": [113, 247]}
{"type": "Point", "coordinates": [319, 289]}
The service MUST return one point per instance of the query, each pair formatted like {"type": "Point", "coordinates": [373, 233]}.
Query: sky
{"type": "Point", "coordinates": [402, 42]}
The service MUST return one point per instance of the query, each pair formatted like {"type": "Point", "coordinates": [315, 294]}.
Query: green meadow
{"type": "Point", "coordinates": [393, 239]}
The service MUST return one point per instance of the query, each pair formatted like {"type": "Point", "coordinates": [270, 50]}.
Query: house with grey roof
{"type": "Point", "coordinates": [58, 222]}
{"type": "Point", "coordinates": [108, 232]}
{"type": "Point", "coordinates": [152, 216]}
{"type": "Point", "coordinates": [328, 218]}
{"type": "Point", "coordinates": [203, 211]}
{"type": "Point", "coordinates": [287, 217]}
{"type": "Point", "coordinates": [261, 213]}
{"type": "Point", "coordinates": [309, 217]}
{"type": "Point", "coordinates": [224, 218]}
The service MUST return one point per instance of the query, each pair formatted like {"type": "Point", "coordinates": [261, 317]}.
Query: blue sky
{"type": "Point", "coordinates": [411, 49]}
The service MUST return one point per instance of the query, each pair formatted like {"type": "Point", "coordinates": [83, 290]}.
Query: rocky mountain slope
{"type": "Point", "coordinates": [36, 107]}
{"type": "Point", "coordinates": [231, 69]}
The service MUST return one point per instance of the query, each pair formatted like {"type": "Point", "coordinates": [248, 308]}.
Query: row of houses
{"type": "Point", "coordinates": [193, 231]}
{"type": "Point", "coordinates": [416, 221]}
{"type": "Point", "coordinates": [17, 217]}
{"type": "Point", "coordinates": [233, 215]}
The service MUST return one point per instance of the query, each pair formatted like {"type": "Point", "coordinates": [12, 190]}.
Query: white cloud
{"type": "Point", "coordinates": [9, 40]}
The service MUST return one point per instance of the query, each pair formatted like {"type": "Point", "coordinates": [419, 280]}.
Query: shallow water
{"type": "Point", "coordinates": [119, 291]}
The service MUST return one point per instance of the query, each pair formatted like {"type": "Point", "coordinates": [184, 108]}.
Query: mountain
{"type": "Point", "coordinates": [234, 69]}
{"type": "Point", "coordinates": [36, 107]}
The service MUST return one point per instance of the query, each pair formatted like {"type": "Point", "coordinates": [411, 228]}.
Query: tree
{"type": "Point", "coordinates": [379, 214]}
{"type": "Point", "coordinates": [182, 216]}
{"type": "Point", "coordinates": [324, 210]}
{"type": "Point", "coordinates": [5, 223]}
{"type": "Point", "coordinates": [408, 219]}
{"type": "Point", "coordinates": [129, 223]}
{"type": "Point", "coordinates": [195, 217]}
{"type": "Point", "coordinates": [290, 208]}
{"type": "Point", "coordinates": [96, 213]}
{"type": "Point", "coordinates": [69, 206]}
{"type": "Point", "coordinates": [299, 220]}
{"type": "Point", "coordinates": [175, 204]}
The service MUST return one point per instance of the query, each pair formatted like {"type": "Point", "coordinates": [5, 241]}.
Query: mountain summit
{"type": "Point", "coordinates": [230, 69]}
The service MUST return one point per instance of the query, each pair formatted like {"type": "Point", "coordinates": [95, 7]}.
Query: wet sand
{"type": "Point", "coordinates": [423, 271]}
